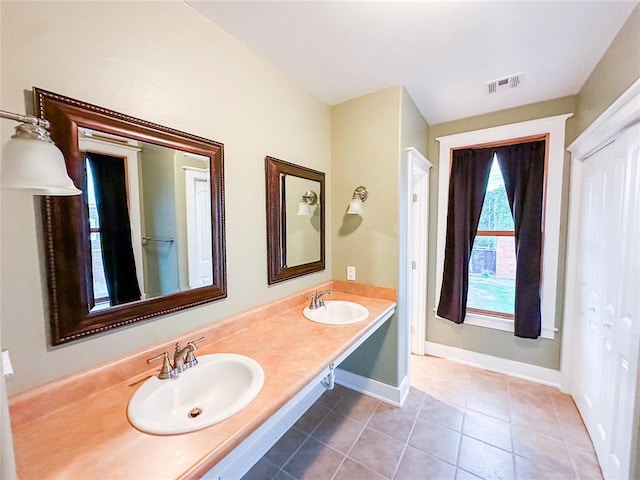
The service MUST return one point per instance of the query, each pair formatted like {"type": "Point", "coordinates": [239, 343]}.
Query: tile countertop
{"type": "Point", "coordinates": [90, 437]}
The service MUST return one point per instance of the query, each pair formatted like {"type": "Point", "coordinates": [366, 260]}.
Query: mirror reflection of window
{"type": "Point", "coordinates": [109, 191]}
{"type": "Point", "coordinates": [100, 293]}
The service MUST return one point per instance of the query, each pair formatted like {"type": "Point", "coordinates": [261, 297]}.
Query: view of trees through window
{"type": "Point", "coordinates": [101, 295]}
{"type": "Point", "coordinates": [492, 267]}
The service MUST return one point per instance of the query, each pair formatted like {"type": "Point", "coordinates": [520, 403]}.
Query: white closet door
{"type": "Point", "coordinates": [609, 279]}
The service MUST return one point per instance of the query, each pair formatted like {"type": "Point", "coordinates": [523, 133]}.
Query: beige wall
{"type": "Point", "coordinates": [167, 64]}
{"type": "Point", "coordinates": [616, 71]}
{"type": "Point", "coordinates": [414, 130]}
{"type": "Point", "coordinates": [368, 135]}
{"type": "Point", "coordinates": [365, 149]}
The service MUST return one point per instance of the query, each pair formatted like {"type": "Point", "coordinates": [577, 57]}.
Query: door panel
{"type": "Point", "coordinates": [609, 273]}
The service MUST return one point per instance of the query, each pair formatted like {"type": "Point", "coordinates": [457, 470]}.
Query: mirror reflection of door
{"type": "Point", "coordinates": [167, 213]}
{"type": "Point", "coordinates": [198, 197]}
{"type": "Point", "coordinates": [302, 226]}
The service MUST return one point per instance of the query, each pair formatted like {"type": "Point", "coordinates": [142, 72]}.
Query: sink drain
{"type": "Point", "coordinates": [194, 412]}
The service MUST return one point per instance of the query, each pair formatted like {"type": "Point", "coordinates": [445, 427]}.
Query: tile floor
{"type": "Point", "coordinates": [458, 422]}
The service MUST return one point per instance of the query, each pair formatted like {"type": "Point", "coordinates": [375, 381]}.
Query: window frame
{"type": "Point", "coordinates": [96, 303]}
{"type": "Point", "coordinates": [554, 130]}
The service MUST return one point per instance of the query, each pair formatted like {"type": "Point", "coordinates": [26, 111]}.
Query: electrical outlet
{"type": "Point", "coordinates": [351, 273]}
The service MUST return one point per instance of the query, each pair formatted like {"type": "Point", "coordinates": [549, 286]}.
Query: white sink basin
{"type": "Point", "coordinates": [337, 312]}
{"type": "Point", "coordinates": [219, 386]}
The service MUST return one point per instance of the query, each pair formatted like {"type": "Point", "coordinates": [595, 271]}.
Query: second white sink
{"type": "Point", "coordinates": [337, 312]}
{"type": "Point", "coordinates": [218, 387]}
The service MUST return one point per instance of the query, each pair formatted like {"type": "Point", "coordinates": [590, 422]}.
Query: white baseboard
{"type": "Point", "coordinates": [373, 388]}
{"type": "Point", "coordinates": [525, 371]}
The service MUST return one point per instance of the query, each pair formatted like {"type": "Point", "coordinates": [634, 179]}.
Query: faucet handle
{"type": "Point", "coordinates": [322, 294]}
{"type": "Point", "coordinates": [190, 359]}
{"type": "Point", "coordinates": [167, 370]}
{"type": "Point", "coordinates": [193, 342]}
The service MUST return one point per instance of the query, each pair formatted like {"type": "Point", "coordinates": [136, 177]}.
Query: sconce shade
{"type": "Point", "coordinates": [360, 194]}
{"type": "Point", "coordinates": [31, 162]}
{"type": "Point", "coordinates": [308, 199]}
{"type": "Point", "coordinates": [355, 207]}
{"type": "Point", "coordinates": [304, 208]}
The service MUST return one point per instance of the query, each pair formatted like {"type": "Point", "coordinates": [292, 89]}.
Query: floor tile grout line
{"type": "Point", "coordinates": [406, 442]}
{"type": "Point", "coordinates": [346, 455]}
{"type": "Point", "coordinates": [308, 435]}
{"type": "Point", "coordinates": [294, 453]}
{"type": "Point", "coordinates": [564, 436]}
{"type": "Point", "coordinates": [457, 465]}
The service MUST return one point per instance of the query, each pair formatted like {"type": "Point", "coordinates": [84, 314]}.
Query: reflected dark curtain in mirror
{"type": "Point", "coordinates": [109, 181]}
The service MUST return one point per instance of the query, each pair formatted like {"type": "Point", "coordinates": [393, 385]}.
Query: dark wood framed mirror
{"type": "Point", "coordinates": [295, 220]}
{"type": "Point", "coordinates": [146, 237]}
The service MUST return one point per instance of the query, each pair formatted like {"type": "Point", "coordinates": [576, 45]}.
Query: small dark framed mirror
{"type": "Point", "coordinates": [295, 220]}
{"type": "Point", "coordinates": [146, 236]}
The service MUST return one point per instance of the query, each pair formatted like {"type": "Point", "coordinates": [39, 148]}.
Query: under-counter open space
{"type": "Point", "coordinates": [77, 427]}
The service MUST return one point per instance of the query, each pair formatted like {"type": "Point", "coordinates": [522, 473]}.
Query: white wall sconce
{"type": "Point", "coordinates": [31, 162]}
{"type": "Point", "coordinates": [360, 195]}
{"type": "Point", "coordinates": [309, 199]}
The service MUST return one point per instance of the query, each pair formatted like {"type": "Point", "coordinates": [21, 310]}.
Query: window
{"type": "Point", "coordinates": [100, 292]}
{"type": "Point", "coordinates": [554, 130]}
{"type": "Point", "coordinates": [492, 267]}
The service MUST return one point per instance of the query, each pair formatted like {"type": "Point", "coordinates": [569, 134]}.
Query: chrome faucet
{"type": "Point", "coordinates": [183, 358]}
{"type": "Point", "coordinates": [316, 299]}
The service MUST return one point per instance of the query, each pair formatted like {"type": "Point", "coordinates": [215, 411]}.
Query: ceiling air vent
{"type": "Point", "coordinates": [504, 83]}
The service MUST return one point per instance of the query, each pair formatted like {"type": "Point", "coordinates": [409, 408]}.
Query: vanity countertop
{"type": "Point", "coordinates": [90, 437]}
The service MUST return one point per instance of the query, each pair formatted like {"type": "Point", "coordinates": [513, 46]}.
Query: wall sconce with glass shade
{"type": "Point", "coordinates": [309, 199]}
{"type": "Point", "coordinates": [31, 162]}
{"type": "Point", "coordinates": [360, 195]}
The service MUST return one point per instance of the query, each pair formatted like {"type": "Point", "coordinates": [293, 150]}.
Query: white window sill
{"type": "Point", "coordinates": [487, 321]}
{"type": "Point", "coordinates": [504, 324]}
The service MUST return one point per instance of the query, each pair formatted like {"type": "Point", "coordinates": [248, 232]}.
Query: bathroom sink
{"type": "Point", "coordinates": [219, 386]}
{"type": "Point", "coordinates": [337, 312]}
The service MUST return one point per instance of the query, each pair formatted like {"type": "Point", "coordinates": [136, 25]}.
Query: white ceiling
{"type": "Point", "coordinates": [440, 51]}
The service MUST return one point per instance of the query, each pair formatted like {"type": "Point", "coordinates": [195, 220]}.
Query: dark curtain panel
{"type": "Point", "coordinates": [467, 185]}
{"type": "Point", "coordinates": [522, 167]}
{"type": "Point", "coordinates": [115, 230]}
